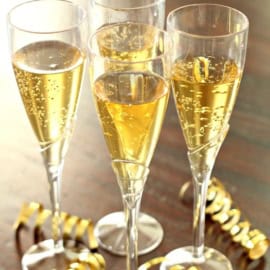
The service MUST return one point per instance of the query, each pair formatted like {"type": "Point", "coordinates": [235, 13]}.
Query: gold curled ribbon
{"type": "Point", "coordinates": [88, 261]}
{"type": "Point", "coordinates": [158, 260]}
{"type": "Point", "coordinates": [184, 189]}
{"type": "Point", "coordinates": [220, 207]}
{"type": "Point", "coordinates": [72, 226]}
{"type": "Point", "coordinates": [153, 262]}
{"type": "Point", "coordinates": [27, 210]}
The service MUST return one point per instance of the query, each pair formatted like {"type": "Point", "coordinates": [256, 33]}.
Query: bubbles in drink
{"type": "Point", "coordinates": [48, 75]}
{"type": "Point", "coordinates": [205, 89]}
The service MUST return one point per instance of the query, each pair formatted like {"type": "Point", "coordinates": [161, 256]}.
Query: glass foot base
{"type": "Point", "coordinates": [182, 259]}
{"type": "Point", "coordinates": [111, 234]}
{"type": "Point", "coordinates": [43, 256]}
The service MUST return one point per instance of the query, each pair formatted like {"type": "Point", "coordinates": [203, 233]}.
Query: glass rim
{"type": "Point", "coordinates": [185, 33]}
{"type": "Point", "coordinates": [154, 2]}
{"type": "Point", "coordinates": [64, 29]}
{"type": "Point", "coordinates": [94, 35]}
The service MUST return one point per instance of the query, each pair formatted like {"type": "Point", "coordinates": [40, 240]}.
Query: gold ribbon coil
{"type": "Point", "coordinates": [71, 225]}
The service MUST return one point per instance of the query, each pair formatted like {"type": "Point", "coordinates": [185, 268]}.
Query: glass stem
{"type": "Point", "coordinates": [200, 193]}
{"type": "Point", "coordinates": [202, 162]}
{"type": "Point", "coordinates": [54, 173]}
{"type": "Point", "coordinates": [131, 209]}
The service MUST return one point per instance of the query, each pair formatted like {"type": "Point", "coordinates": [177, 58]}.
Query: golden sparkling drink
{"type": "Point", "coordinates": [205, 90]}
{"type": "Point", "coordinates": [49, 75]}
{"type": "Point", "coordinates": [130, 42]}
{"type": "Point", "coordinates": [131, 107]}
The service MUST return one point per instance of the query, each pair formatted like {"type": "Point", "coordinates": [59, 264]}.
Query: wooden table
{"type": "Point", "coordinates": [89, 187]}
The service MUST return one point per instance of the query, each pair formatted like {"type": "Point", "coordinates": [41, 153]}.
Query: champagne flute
{"type": "Point", "coordinates": [48, 59]}
{"type": "Point", "coordinates": [110, 230]}
{"type": "Point", "coordinates": [104, 12]}
{"type": "Point", "coordinates": [208, 55]}
{"type": "Point", "coordinates": [129, 69]}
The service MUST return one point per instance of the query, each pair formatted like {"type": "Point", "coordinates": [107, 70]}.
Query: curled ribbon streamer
{"type": "Point", "coordinates": [220, 207]}
{"type": "Point", "coordinates": [158, 260]}
{"type": "Point", "coordinates": [71, 225]}
{"type": "Point", "coordinates": [147, 265]}
{"type": "Point", "coordinates": [26, 212]}
{"type": "Point", "coordinates": [42, 216]}
{"type": "Point", "coordinates": [88, 261]}
{"type": "Point", "coordinates": [92, 243]}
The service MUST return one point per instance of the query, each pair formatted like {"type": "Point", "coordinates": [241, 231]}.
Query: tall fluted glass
{"type": "Point", "coordinates": [129, 68]}
{"type": "Point", "coordinates": [104, 12]}
{"type": "Point", "coordinates": [110, 230]}
{"type": "Point", "coordinates": [209, 48]}
{"type": "Point", "coordinates": [48, 59]}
